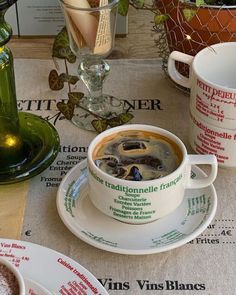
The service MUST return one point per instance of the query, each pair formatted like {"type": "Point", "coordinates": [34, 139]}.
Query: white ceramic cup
{"type": "Point", "coordinates": [212, 82]}
{"type": "Point", "coordinates": [139, 202]}
{"type": "Point", "coordinates": [16, 273]}
{"type": "Point", "coordinates": [205, 138]}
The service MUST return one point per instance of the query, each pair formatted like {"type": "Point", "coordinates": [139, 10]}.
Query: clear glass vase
{"type": "Point", "coordinates": [91, 26]}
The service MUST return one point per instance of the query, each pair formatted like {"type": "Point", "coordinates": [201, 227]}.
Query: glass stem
{"type": "Point", "coordinates": [93, 71]}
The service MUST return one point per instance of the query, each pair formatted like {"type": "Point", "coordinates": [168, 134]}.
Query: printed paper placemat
{"type": "Point", "coordinates": [206, 265]}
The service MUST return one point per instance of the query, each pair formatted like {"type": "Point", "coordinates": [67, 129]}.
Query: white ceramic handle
{"type": "Point", "coordinates": [174, 73]}
{"type": "Point", "coordinates": [206, 160]}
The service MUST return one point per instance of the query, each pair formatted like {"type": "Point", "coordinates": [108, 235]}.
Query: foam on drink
{"type": "Point", "coordinates": [8, 282]}
{"type": "Point", "coordinates": [137, 155]}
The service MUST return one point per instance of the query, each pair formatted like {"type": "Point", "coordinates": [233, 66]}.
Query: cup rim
{"type": "Point", "coordinates": [16, 273]}
{"type": "Point", "coordinates": [203, 52]}
{"type": "Point", "coordinates": [91, 9]}
{"type": "Point", "coordinates": [151, 128]}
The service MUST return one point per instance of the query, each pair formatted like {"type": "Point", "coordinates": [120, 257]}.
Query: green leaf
{"type": "Point", "coordinates": [123, 7]}
{"type": "Point", "coordinates": [55, 83]}
{"type": "Point", "coordinates": [189, 13]}
{"type": "Point", "coordinates": [160, 18]}
{"type": "Point", "coordinates": [199, 2]}
{"type": "Point", "coordinates": [120, 119]}
{"type": "Point", "coordinates": [100, 125]}
{"type": "Point", "coordinates": [125, 117]}
{"type": "Point", "coordinates": [115, 121]}
{"type": "Point", "coordinates": [61, 47]}
{"type": "Point", "coordinates": [139, 3]}
{"type": "Point", "coordinates": [69, 78]}
{"type": "Point", "coordinates": [75, 97]}
{"type": "Point", "coordinates": [67, 109]}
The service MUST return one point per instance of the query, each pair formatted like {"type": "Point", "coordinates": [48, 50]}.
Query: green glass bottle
{"type": "Point", "coordinates": [11, 145]}
{"type": "Point", "coordinates": [28, 143]}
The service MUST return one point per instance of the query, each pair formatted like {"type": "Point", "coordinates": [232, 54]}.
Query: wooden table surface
{"type": "Point", "coordinates": [139, 43]}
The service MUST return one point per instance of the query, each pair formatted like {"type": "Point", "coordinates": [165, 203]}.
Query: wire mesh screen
{"type": "Point", "coordinates": [189, 29]}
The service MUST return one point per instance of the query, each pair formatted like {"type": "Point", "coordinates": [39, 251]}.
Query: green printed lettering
{"type": "Point", "coordinates": [95, 176]}
{"type": "Point", "coordinates": [129, 190]}
{"type": "Point", "coordinates": [171, 183]}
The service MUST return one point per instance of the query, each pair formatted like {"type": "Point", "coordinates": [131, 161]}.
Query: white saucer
{"type": "Point", "coordinates": [90, 225]}
{"type": "Point", "coordinates": [34, 288]}
{"type": "Point", "coordinates": [46, 271]}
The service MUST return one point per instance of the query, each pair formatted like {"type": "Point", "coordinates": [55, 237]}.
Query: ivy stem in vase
{"type": "Point", "coordinates": [67, 72]}
{"type": "Point", "coordinates": [91, 113]}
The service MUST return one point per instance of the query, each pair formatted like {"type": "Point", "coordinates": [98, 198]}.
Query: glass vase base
{"type": "Point", "coordinates": [85, 115]}
{"type": "Point", "coordinates": [40, 146]}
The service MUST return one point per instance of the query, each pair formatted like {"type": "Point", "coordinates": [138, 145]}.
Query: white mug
{"type": "Point", "coordinates": [139, 202]}
{"type": "Point", "coordinates": [205, 138]}
{"type": "Point", "coordinates": [212, 82]}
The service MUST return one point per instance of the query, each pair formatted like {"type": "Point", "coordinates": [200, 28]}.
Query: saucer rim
{"type": "Point", "coordinates": [31, 283]}
{"type": "Point", "coordinates": [49, 257]}
{"type": "Point", "coordinates": [119, 250]}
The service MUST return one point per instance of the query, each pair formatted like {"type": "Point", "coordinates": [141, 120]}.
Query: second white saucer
{"type": "Point", "coordinates": [34, 288]}
{"type": "Point", "coordinates": [85, 221]}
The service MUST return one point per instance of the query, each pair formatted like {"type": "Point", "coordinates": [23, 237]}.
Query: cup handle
{"type": "Point", "coordinates": [203, 159]}
{"type": "Point", "coordinates": [174, 73]}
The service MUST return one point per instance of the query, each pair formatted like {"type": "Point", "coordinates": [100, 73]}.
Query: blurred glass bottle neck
{"type": "Point", "coordinates": [5, 29]}
{"type": "Point", "coordinates": [8, 103]}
